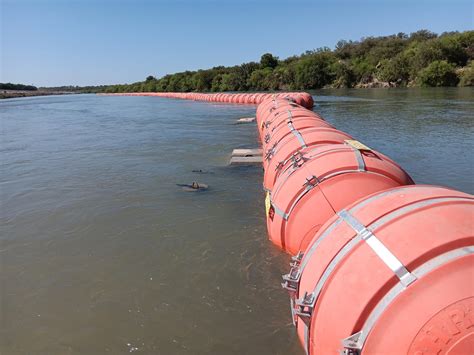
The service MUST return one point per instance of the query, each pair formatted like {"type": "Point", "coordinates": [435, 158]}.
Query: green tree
{"type": "Point", "coordinates": [230, 82]}
{"type": "Point", "coordinates": [216, 83]}
{"type": "Point", "coordinates": [467, 75]}
{"type": "Point", "coordinates": [423, 54]}
{"type": "Point", "coordinates": [260, 79]}
{"type": "Point", "coordinates": [394, 70]}
{"type": "Point", "coordinates": [362, 69]}
{"type": "Point", "coordinates": [422, 35]}
{"type": "Point", "coordinates": [268, 61]}
{"type": "Point", "coordinates": [438, 73]}
{"type": "Point", "coordinates": [345, 77]}
{"type": "Point", "coordinates": [314, 71]}
{"type": "Point", "coordinates": [203, 80]}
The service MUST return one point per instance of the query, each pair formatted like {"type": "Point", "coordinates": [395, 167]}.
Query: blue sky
{"type": "Point", "coordinates": [91, 42]}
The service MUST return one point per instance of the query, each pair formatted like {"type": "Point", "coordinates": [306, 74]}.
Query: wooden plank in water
{"type": "Point", "coordinates": [255, 160]}
{"type": "Point", "coordinates": [246, 120]}
{"type": "Point", "coordinates": [246, 152]}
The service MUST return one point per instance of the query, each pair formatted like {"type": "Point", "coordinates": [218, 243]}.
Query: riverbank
{"type": "Point", "coordinates": [11, 94]}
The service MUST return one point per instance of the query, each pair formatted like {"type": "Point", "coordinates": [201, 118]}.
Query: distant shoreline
{"type": "Point", "coordinates": [12, 94]}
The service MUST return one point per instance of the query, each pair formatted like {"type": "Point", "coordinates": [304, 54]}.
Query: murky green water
{"type": "Point", "coordinates": [100, 251]}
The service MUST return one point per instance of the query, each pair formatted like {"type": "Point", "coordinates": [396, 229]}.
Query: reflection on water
{"type": "Point", "coordinates": [101, 252]}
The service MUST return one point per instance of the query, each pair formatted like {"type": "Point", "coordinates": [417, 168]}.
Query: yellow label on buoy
{"type": "Point", "coordinates": [268, 203]}
{"type": "Point", "coordinates": [356, 144]}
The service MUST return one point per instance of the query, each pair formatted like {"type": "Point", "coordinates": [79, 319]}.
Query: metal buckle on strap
{"type": "Point", "coordinates": [292, 279]}
{"type": "Point", "coordinates": [311, 181]}
{"type": "Point", "coordinates": [270, 152]}
{"type": "Point", "coordinates": [352, 345]}
{"type": "Point", "coordinates": [304, 307]}
{"type": "Point", "coordinates": [267, 138]}
{"type": "Point", "coordinates": [296, 260]}
{"type": "Point", "coordinates": [297, 159]}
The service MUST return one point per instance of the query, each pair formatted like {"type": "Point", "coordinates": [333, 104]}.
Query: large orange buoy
{"type": "Point", "coordinates": [328, 179]}
{"type": "Point", "coordinates": [294, 150]}
{"type": "Point", "coordinates": [280, 113]}
{"type": "Point", "coordinates": [291, 125]}
{"type": "Point", "coordinates": [282, 117]}
{"type": "Point", "coordinates": [389, 274]}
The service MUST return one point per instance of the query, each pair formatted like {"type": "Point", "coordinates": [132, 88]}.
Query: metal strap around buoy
{"type": "Point", "coordinates": [309, 253]}
{"type": "Point", "coordinates": [285, 175]}
{"type": "Point", "coordinates": [356, 342]}
{"type": "Point", "coordinates": [310, 183]}
{"type": "Point", "coordinates": [317, 242]}
{"type": "Point", "coordinates": [360, 160]}
{"type": "Point", "coordinates": [280, 212]}
{"type": "Point", "coordinates": [405, 277]}
{"type": "Point", "coordinates": [308, 301]}
{"type": "Point", "coordinates": [293, 130]}
{"type": "Point", "coordinates": [270, 152]}
{"type": "Point", "coordinates": [292, 279]}
{"type": "Point", "coordinates": [308, 188]}
{"type": "Point", "coordinates": [338, 148]}
{"type": "Point", "coordinates": [293, 157]}
{"type": "Point", "coordinates": [358, 147]}
{"type": "Point", "coordinates": [309, 156]}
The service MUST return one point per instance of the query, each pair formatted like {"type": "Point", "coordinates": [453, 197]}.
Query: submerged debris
{"type": "Point", "coordinates": [195, 186]}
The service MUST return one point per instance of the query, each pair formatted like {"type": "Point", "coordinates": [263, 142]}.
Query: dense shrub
{"type": "Point", "coordinates": [438, 73]}
{"type": "Point", "coordinates": [467, 76]}
{"type": "Point", "coordinates": [393, 70]}
{"type": "Point", "coordinates": [314, 71]}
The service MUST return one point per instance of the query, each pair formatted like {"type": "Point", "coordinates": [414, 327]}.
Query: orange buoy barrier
{"type": "Point", "coordinates": [301, 98]}
{"type": "Point", "coordinates": [293, 150]}
{"type": "Point", "coordinates": [291, 126]}
{"type": "Point", "coordinates": [391, 273]}
{"type": "Point", "coordinates": [381, 265]}
{"type": "Point", "coordinates": [326, 179]}
{"type": "Point", "coordinates": [282, 116]}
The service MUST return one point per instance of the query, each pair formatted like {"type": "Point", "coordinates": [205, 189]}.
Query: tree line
{"type": "Point", "coordinates": [10, 86]}
{"type": "Point", "coordinates": [422, 58]}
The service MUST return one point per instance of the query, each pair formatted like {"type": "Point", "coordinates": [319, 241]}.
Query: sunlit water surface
{"type": "Point", "coordinates": [101, 252]}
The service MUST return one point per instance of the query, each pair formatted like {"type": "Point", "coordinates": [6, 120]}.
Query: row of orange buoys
{"type": "Point", "coordinates": [380, 265]}
{"type": "Point", "coordinates": [301, 98]}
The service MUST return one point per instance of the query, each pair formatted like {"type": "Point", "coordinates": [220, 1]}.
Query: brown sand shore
{"type": "Point", "coordinates": [10, 94]}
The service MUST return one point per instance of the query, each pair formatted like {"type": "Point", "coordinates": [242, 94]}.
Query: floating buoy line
{"type": "Point", "coordinates": [380, 265]}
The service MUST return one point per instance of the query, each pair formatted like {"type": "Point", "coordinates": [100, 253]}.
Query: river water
{"type": "Point", "coordinates": [101, 252]}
